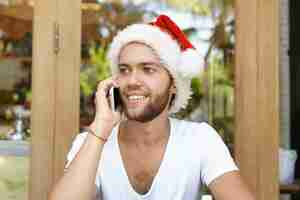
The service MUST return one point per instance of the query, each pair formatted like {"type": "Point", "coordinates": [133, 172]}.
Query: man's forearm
{"type": "Point", "coordinates": [78, 182]}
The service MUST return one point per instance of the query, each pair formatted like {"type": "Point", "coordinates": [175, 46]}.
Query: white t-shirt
{"type": "Point", "coordinates": [195, 155]}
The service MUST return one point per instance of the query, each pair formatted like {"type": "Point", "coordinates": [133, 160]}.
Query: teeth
{"type": "Point", "coordinates": [136, 97]}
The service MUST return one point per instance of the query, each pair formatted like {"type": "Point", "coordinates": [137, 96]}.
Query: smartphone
{"type": "Point", "coordinates": [114, 98]}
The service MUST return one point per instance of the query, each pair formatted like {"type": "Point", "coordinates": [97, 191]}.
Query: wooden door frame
{"type": "Point", "coordinates": [257, 95]}
{"type": "Point", "coordinates": [43, 100]}
{"type": "Point", "coordinates": [55, 90]}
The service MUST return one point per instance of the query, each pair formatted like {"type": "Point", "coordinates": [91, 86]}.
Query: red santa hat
{"type": "Point", "coordinates": [178, 55]}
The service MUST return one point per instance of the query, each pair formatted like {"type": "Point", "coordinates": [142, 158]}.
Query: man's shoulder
{"type": "Point", "coordinates": [190, 125]}
{"type": "Point", "coordinates": [195, 131]}
{"type": "Point", "coordinates": [195, 136]}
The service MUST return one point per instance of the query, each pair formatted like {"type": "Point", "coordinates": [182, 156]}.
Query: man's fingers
{"type": "Point", "coordinates": [106, 84]}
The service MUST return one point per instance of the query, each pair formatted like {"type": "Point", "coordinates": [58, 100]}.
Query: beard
{"type": "Point", "coordinates": [155, 105]}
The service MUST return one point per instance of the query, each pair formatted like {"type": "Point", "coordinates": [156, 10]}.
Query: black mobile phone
{"type": "Point", "coordinates": [114, 98]}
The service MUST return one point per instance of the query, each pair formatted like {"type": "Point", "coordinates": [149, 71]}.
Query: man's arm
{"type": "Point", "coordinates": [230, 186]}
{"type": "Point", "coordinates": [78, 182]}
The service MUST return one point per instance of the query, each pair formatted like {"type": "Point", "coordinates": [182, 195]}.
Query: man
{"type": "Point", "coordinates": [146, 154]}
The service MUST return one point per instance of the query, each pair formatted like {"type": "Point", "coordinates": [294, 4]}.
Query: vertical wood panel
{"type": "Point", "coordinates": [268, 98]}
{"type": "Point", "coordinates": [257, 94]}
{"type": "Point", "coordinates": [55, 102]}
{"type": "Point", "coordinates": [245, 90]}
{"type": "Point", "coordinates": [43, 100]}
{"type": "Point", "coordinates": [67, 81]}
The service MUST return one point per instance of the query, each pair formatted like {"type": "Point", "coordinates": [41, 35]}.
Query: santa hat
{"type": "Point", "coordinates": [179, 56]}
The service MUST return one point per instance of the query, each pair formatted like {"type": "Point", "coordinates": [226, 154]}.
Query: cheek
{"type": "Point", "coordinates": [122, 81]}
{"type": "Point", "coordinates": [154, 85]}
{"type": "Point", "coordinates": [160, 88]}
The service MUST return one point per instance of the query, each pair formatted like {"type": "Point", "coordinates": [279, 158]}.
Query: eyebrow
{"type": "Point", "coordinates": [123, 64]}
{"type": "Point", "coordinates": [141, 63]}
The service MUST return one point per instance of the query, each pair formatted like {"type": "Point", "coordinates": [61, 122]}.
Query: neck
{"type": "Point", "coordinates": [145, 133]}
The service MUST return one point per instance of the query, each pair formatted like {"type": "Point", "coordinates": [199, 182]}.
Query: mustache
{"type": "Point", "coordinates": [135, 88]}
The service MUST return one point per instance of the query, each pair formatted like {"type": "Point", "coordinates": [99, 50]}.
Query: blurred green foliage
{"type": "Point", "coordinates": [97, 71]}
{"type": "Point", "coordinates": [14, 178]}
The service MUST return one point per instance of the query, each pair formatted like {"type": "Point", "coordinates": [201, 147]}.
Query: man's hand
{"type": "Point", "coordinates": [105, 119]}
{"type": "Point", "coordinates": [230, 186]}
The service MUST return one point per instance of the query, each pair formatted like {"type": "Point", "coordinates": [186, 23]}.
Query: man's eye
{"type": "Point", "coordinates": [149, 70]}
{"type": "Point", "coordinates": [123, 70]}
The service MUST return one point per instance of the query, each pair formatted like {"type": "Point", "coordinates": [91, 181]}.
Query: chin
{"type": "Point", "coordinates": [136, 115]}
{"type": "Point", "coordinates": [143, 115]}
{"type": "Point", "coordinates": [147, 112]}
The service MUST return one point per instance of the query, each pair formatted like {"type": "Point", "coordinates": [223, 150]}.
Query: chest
{"type": "Point", "coordinates": [142, 165]}
{"type": "Point", "coordinates": [171, 171]}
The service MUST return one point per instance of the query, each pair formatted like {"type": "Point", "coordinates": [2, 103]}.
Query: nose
{"type": "Point", "coordinates": [135, 78]}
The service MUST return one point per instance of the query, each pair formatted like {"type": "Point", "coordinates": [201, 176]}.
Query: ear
{"type": "Point", "coordinates": [172, 97]}
{"type": "Point", "coordinates": [172, 86]}
{"type": "Point", "coordinates": [173, 89]}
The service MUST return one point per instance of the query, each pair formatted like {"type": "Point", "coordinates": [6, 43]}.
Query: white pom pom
{"type": "Point", "coordinates": [191, 63]}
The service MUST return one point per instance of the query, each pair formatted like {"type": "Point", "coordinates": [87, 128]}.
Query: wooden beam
{"type": "Point", "coordinates": [257, 94]}
{"type": "Point", "coordinates": [43, 110]}
{"type": "Point", "coordinates": [90, 12]}
{"type": "Point", "coordinates": [245, 90]}
{"type": "Point", "coordinates": [67, 81]}
{"type": "Point", "coordinates": [21, 12]}
{"type": "Point", "coordinates": [14, 28]}
{"type": "Point", "coordinates": [55, 102]}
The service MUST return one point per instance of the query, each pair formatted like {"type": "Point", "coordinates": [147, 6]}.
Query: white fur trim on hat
{"type": "Point", "coordinates": [191, 63]}
{"type": "Point", "coordinates": [181, 65]}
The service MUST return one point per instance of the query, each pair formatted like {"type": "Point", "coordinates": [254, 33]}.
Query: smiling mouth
{"type": "Point", "coordinates": [135, 100]}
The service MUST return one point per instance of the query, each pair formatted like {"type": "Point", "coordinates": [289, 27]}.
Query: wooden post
{"type": "Point", "coordinates": [257, 95]}
{"type": "Point", "coordinates": [55, 105]}
{"type": "Point", "coordinates": [67, 81]}
{"type": "Point", "coordinates": [43, 100]}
